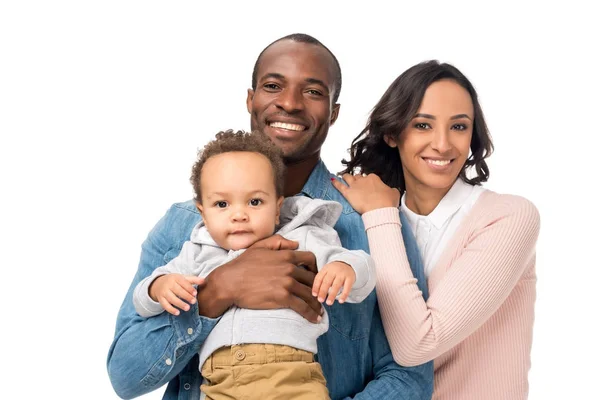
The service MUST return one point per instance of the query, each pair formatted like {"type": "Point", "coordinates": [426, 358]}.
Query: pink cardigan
{"type": "Point", "coordinates": [477, 324]}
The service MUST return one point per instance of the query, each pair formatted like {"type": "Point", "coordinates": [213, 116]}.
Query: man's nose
{"type": "Point", "coordinates": [290, 100]}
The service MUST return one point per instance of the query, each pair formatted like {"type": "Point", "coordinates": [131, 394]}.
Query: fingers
{"type": "Point", "coordinates": [305, 258]}
{"type": "Point", "coordinates": [343, 189]}
{"type": "Point", "coordinates": [305, 309]}
{"type": "Point", "coordinates": [328, 280]}
{"type": "Point", "coordinates": [304, 277]}
{"type": "Point", "coordinates": [275, 242]}
{"type": "Point", "coordinates": [316, 287]}
{"type": "Point", "coordinates": [349, 179]}
{"type": "Point", "coordinates": [185, 291]}
{"type": "Point", "coordinates": [304, 294]}
{"type": "Point", "coordinates": [348, 283]}
{"type": "Point", "coordinates": [164, 302]}
{"type": "Point", "coordinates": [194, 280]}
{"type": "Point", "coordinates": [337, 284]}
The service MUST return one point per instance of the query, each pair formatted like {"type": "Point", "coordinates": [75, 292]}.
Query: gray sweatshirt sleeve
{"type": "Point", "coordinates": [185, 264]}
{"type": "Point", "coordinates": [326, 246]}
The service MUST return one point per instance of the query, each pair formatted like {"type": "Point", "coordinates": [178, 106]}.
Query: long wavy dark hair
{"type": "Point", "coordinates": [370, 153]}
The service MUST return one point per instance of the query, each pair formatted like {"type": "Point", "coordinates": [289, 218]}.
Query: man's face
{"type": "Point", "coordinates": [293, 100]}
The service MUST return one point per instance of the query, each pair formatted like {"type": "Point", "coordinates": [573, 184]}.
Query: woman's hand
{"type": "Point", "coordinates": [367, 193]}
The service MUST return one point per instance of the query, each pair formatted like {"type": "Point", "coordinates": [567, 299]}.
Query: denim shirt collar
{"type": "Point", "coordinates": [318, 182]}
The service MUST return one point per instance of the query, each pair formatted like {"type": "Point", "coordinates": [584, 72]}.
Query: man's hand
{"type": "Point", "coordinates": [266, 276]}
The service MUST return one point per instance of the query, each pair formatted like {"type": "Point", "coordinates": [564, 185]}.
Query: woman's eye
{"type": "Point", "coordinates": [459, 127]}
{"type": "Point", "coordinates": [421, 125]}
{"type": "Point", "coordinates": [255, 202]}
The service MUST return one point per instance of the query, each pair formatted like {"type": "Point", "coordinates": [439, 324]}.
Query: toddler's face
{"type": "Point", "coordinates": [239, 200]}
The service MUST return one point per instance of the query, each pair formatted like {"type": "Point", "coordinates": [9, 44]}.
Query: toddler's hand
{"type": "Point", "coordinates": [174, 290]}
{"type": "Point", "coordinates": [330, 279]}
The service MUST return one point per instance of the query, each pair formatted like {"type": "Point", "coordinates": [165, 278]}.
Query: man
{"type": "Point", "coordinates": [295, 87]}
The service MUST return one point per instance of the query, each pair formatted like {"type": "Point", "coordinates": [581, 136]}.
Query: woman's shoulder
{"type": "Point", "coordinates": [499, 205]}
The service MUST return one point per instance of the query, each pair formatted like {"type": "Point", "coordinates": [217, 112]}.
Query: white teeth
{"type": "Point", "coordinates": [438, 162]}
{"type": "Point", "coordinates": [283, 125]}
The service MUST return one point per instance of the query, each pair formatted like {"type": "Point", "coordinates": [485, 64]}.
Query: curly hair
{"type": "Point", "coordinates": [230, 141]}
{"type": "Point", "coordinates": [369, 152]}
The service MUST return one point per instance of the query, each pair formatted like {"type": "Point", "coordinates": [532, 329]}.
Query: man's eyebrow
{"type": "Point", "coordinates": [272, 75]}
{"type": "Point", "coordinates": [316, 82]}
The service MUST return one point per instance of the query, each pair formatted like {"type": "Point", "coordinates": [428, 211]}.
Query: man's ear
{"type": "Point", "coordinates": [390, 141]}
{"type": "Point", "coordinates": [334, 114]}
{"type": "Point", "coordinates": [249, 100]}
{"type": "Point", "coordinates": [279, 203]}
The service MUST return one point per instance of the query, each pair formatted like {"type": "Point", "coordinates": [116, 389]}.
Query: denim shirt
{"type": "Point", "coordinates": [354, 354]}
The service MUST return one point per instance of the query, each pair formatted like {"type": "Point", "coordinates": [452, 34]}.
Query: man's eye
{"type": "Point", "coordinates": [270, 86]}
{"type": "Point", "coordinates": [255, 202]}
{"type": "Point", "coordinates": [221, 204]}
{"type": "Point", "coordinates": [315, 92]}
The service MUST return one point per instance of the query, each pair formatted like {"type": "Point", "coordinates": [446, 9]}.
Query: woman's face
{"type": "Point", "coordinates": [435, 144]}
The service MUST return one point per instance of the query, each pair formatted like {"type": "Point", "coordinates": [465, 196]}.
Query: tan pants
{"type": "Point", "coordinates": [263, 371]}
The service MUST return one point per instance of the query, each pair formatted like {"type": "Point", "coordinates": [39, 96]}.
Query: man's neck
{"type": "Point", "coordinates": [297, 173]}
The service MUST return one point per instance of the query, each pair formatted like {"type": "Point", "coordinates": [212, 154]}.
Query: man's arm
{"type": "Point", "coordinates": [147, 353]}
{"type": "Point", "coordinates": [264, 277]}
{"type": "Point", "coordinates": [390, 379]}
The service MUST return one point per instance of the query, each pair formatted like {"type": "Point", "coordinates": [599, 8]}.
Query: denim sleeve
{"type": "Point", "coordinates": [147, 353]}
{"type": "Point", "coordinates": [392, 380]}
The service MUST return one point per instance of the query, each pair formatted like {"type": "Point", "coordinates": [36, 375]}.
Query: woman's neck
{"type": "Point", "coordinates": [422, 199]}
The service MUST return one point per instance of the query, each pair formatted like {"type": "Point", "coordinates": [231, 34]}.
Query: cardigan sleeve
{"type": "Point", "coordinates": [498, 249]}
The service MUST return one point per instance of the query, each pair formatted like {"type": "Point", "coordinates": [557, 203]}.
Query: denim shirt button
{"type": "Point", "coordinates": [168, 361]}
{"type": "Point", "coordinates": [190, 331]}
{"type": "Point", "coordinates": [187, 386]}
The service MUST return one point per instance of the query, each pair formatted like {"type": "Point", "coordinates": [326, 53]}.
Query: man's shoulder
{"type": "Point", "coordinates": [178, 221]}
{"type": "Point", "coordinates": [185, 208]}
{"type": "Point", "coordinates": [331, 193]}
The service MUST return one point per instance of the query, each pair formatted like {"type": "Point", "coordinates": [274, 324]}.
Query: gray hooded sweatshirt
{"type": "Point", "coordinates": [309, 222]}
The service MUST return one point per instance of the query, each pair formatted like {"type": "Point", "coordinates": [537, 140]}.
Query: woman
{"type": "Point", "coordinates": [427, 139]}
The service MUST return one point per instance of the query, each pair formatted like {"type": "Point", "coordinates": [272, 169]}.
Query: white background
{"type": "Point", "coordinates": [104, 104]}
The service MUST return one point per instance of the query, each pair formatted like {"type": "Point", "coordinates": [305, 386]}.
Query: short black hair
{"type": "Point", "coordinates": [304, 38]}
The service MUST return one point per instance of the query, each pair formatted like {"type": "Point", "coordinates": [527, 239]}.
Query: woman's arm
{"type": "Point", "coordinates": [499, 248]}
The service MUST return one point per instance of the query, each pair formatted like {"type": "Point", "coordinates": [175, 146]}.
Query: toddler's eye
{"type": "Point", "coordinates": [255, 202]}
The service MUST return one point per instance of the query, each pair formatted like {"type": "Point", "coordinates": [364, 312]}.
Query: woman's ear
{"type": "Point", "coordinates": [390, 141]}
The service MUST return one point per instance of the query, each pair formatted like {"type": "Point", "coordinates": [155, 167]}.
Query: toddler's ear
{"type": "Point", "coordinates": [199, 207]}
{"type": "Point", "coordinates": [279, 203]}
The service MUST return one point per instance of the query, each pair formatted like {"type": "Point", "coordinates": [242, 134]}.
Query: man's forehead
{"type": "Point", "coordinates": [292, 59]}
